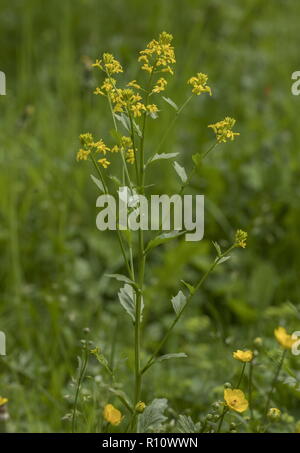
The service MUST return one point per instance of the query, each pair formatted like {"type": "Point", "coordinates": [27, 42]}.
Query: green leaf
{"type": "Point", "coordinates": [97, 182]}
{"type": "Point", "coordinates": [223, 260]}
{"type": "Point", "coordinates": [162, 238]}
{"type": "Point", "coordinates": [217, 247]}
{"type": "Point", "coordinates": [153, 416]}
{"type": "Point", "coordinates": [178, 302]}
{"type": "Point", "coordinates": [190, 287]}
{"type": "Point", "coordinates": [185, 424]}
{"type": "Point", "coordinates": [120, 278]}
{"type": "Point", "coordinates": [161, 156]}
{"type": "Point", "coordinates": [180, 172]}
{"type": "Point", "coordinates": [177, 355]}
{"type": "Point", "coordinates": [127, 298]}
{"type": "Point", "coordinates": [124, 120]}
{"type": "Point", "coordinates": [171, 103]}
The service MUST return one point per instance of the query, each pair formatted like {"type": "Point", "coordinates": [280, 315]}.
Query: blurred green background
{"type": "Point", "coordinates": [53, 260]}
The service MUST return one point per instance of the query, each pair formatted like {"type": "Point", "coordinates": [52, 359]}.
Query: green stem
{"type": "Point", "coordinates": [80, 379]}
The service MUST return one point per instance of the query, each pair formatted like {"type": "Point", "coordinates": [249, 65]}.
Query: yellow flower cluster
{"type": "Point", "coordinates": [283, 338]}
{"type": "Point", "coordinates": [241, 238]}
{"type": "Point", "coordinates": [159, 54]}
{"type": "Point", "coordinates": [125, 146]}
{"type": "Point", "coordinates": [274, 413]}
{"type": "Point", "coordinates": [108, 64]}
{"type": "Point", "coordinates": [235, 400]}
{"type": "Point", "coordinates": [243, 356]}
{"type": "Point", "coordinates": [160, 85]}
{"type": "Point", "coordinates": [89, 145]}
{"type": "Point", "coordinates": [112, 415]}
{"type": "Point", "coordinates": [198, 83]}
{"type": "Point", "coordinates": [223, 130]}
{"type": "Point", "coordinates": [123, 100]}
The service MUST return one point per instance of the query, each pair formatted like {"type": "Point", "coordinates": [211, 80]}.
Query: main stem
{"type": "Point", "coordinates": [141, 263]}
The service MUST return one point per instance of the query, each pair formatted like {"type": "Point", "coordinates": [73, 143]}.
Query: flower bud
{"type": "Point", "coordinates": [140, 407]}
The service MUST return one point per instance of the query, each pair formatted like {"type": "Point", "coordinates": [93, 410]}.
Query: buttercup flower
{"type": "Point", "coordinates": [241, 238]}
{"type": "Point", "coordinates": [223, 130]}
{"type": "Point", "coordinates": [243, 356]}
{"type": "Point", "coordinates": [112, 415]}
{"type": "Point", "coordinates": [3, 401]}
{"type": "Point", "coordinates": [235, 400]}
{"type": "Point", "coordinates": [198, 83]}
{"type": "Point", "coordinates": [283, 338]}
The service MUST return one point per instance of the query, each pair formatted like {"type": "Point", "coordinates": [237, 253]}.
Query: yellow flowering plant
{"type": "Point", "coordinates": [132, 104]}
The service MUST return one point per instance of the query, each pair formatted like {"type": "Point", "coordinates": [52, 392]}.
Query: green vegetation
{"type": "Point", "coordinates": [53, 261]}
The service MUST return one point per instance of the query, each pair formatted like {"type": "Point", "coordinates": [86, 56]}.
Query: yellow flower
{"type": "Point", "coordinates": [115, 149]}
{"type": "Point", "coordinates": [159, 54]}
{"type": "Point", "coordinates": [283, 338]}
{"type": "Point", "coordinates": [108, 64]}
{"type": "Point", "coordinates": [198, 83]}
{"type": "Point", "coordinates": [243, 356]}
{"type": "Point", "coordinates": [140, 407]}
{"type": "Point", "coordinates": [112, 415]}
{"type": "Point", "coordinates": [152, 108]}
{"type": "Point", "coordinates": [241, 238]}
{"type": "Point", "coordinates": [3, 401]}
{"type": "Point", "coordinates": [274, 413]}
{"type": "Point", "coordinates": [223, 130]}
{"type": "Point", "coordinates": [235, 400]}
{"type": "Point", "coordinates": [134, 84]}
{"type": "Point", "coordinates": [160, 85]}
{"type": "Point", "coordinates": [104, 162]}
{"type": "Point", "coordinates": [108, 85]}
